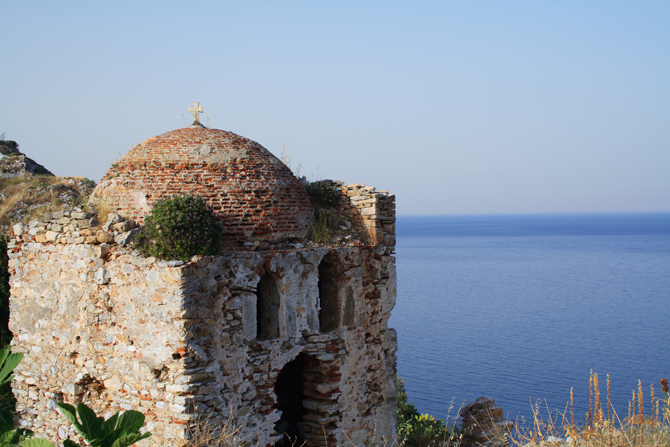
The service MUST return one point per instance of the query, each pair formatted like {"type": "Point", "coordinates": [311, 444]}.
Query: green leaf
{"type": "Point", "coordinates": [7, 436]}
{"type": "Point", "coordinates": [91, 425]}
{"type": "Point", "coordinates": [111, 437]}
{"type": "Point", "coordinates": [131, 421]}
{"type": "Point", "coordinates": [110, 424]}
{"type": "Point", "coordinates": [126, 440]}
{"type": "Point", "coordinates": [6, 421]}
{"type": "Point", "coordinates": [69, 443]}
{"type": "Point", "coordinates": [4, 352]}
{"type": "Point", "coordinates": [9, 364]}
{"type": "Point", "coordinates": [69, 412]}
{"type": "Point", "coordinates": [10, 437]}
{"type": "Point", "coordinates": [36, 442]}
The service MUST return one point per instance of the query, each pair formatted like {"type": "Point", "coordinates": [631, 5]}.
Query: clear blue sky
{"type": "Point", "coordinates": [456, 107]}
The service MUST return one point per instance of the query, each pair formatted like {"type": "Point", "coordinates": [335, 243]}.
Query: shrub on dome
{"type": "Point", "coordinates": [178, 228]}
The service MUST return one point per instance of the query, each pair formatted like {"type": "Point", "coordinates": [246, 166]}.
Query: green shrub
{"type": "Point", "coordinates": [178, 228]}
{"type": "Point", "coordinates": [322, 193]}
{"type": "Point", "coordinates": [420, 430]}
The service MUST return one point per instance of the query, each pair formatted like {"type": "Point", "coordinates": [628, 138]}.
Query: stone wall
{"type": "Point", "coordinates": [178, 341]}
{"type": "Point", "coordinates": [369, 214]}
{"type": "Point", "coordinates": [374, 212]}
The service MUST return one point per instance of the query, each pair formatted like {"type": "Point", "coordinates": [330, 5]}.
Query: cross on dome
{"type": "Point", "coordinates": [194, 110]}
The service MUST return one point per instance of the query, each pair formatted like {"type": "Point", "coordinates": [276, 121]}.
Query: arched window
{"type": "Point", "coordinates": [329, 310]}
{"type": "Point", "coordinates": [267, 308]}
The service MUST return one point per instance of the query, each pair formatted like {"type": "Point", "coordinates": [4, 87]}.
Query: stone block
{"type": "Point", "coordinates": [104, 237]}
{"type": "Point", "coordinates": [125, 226]}
{"type": "Point", "coordinates": [101, 251]}
{"type": "Point", "coordinates": [19, 229]}
{"type": "Point", "coordinates": [102, 276]}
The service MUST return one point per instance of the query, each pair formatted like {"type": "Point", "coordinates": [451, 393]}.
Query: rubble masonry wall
{"type": "Point", "coordinates": [177, 341]}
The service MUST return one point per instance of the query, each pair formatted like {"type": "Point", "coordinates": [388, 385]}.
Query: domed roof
{"type": "Point", "coordinates": [253, 194]}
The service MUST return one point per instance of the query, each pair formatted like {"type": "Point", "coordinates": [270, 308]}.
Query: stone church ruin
{"type": "Point", "coordinates": [283, 335]}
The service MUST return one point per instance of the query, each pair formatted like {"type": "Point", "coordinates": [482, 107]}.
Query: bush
{"type": "Point", "coordinates": [420, 430]}
{"type": "Point", "coordinates": [178, 228]}
{"type": "Point", "coordinates": [322, 193]}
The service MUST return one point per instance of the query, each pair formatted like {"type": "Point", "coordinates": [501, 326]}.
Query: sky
{"type": "Point", "coordinates": [478, 107]}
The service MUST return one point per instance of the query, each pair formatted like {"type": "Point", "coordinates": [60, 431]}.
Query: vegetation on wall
{"type": "Point", "coordinates": [324, 198]}
{"type": "Point", "coordinates": [178, 228]}
{"type": "Point", "coordinates": [420, 430]}
{"type": "Point", "coordinates": [23, 198]}
{"type": "Point", "coordinates": [322, 193]}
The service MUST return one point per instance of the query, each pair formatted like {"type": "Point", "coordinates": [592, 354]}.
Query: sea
{"type": "Point", "coordinates": [523, 308]}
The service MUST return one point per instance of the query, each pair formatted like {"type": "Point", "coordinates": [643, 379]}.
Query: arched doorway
{"type": "Point", "coordinates": [289, 389]}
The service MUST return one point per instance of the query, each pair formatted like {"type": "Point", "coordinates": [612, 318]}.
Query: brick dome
{"type": "Point", "coordinates": [254, 195]}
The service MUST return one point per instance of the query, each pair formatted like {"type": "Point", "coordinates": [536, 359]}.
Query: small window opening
{"type": "Point", "coordinates": [329, 313]}
{"type": "Point", "coordinates": [267, 308]}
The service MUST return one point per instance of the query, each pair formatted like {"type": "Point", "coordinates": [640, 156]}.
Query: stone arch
{"type": "Point", "coordinates": [328, 304]}
{"type": "Point", "coordinates": [268, 302]}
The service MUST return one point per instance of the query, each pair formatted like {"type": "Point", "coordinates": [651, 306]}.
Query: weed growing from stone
{"type": "Point", "coordinates": [178, 228]}
{"type": "Point", "coordinates": [319, 229]}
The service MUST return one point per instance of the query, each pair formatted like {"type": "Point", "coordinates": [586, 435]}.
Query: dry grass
{"type": "Point", "coordinates": [211, 432]}
{"type": "Point", "coordinates": [603, 426]}
{"type": "Point", "coordinates": [318, 230]}
{"type": "Point", "coordinates": [24, 198]}
{"type": "Point", "coordinates": [104, 208]}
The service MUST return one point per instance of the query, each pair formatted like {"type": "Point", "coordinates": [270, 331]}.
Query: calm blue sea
{"type": "Point", "coordinates": [521, 308]}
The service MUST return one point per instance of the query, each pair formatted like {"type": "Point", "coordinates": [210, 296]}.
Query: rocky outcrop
{"type": "Point", "coordinates": [15, 164]}
{"type": "Point", "coordinates": [484, 424]}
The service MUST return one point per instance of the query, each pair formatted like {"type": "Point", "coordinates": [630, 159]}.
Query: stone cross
{"type": "Point", "coordinates": [194, 110]}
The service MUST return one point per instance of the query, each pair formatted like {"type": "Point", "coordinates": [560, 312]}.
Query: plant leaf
{"type": "Point", "coordinates": [112, 436]}
{"type": "Point", "coordinates": [6, 421]}
{"type": "Point", "coordinates": [10, 363]}
{"type": "Point", "coordinates": [4, 352]}
{"type": "Point", "coordinates": [131, 421]}
{"type": "Point", "coordinates": [70, 443]}
{"type": "Point", "coordinates": [36, 442]}
{"type": "Point", "coordinates": [69, 412]}
{"type": "Point", "coordinates": [7, 436]}
{"type": "Point", "coordinates": [110, 424]}
{"type": "Point", "coordinates": [130, 439]}
{"type": "Point", "coordinates": [90, 424]}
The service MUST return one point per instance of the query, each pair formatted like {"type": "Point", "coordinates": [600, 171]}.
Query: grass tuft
{"type": "Point", "coordinates": [211, 432]}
